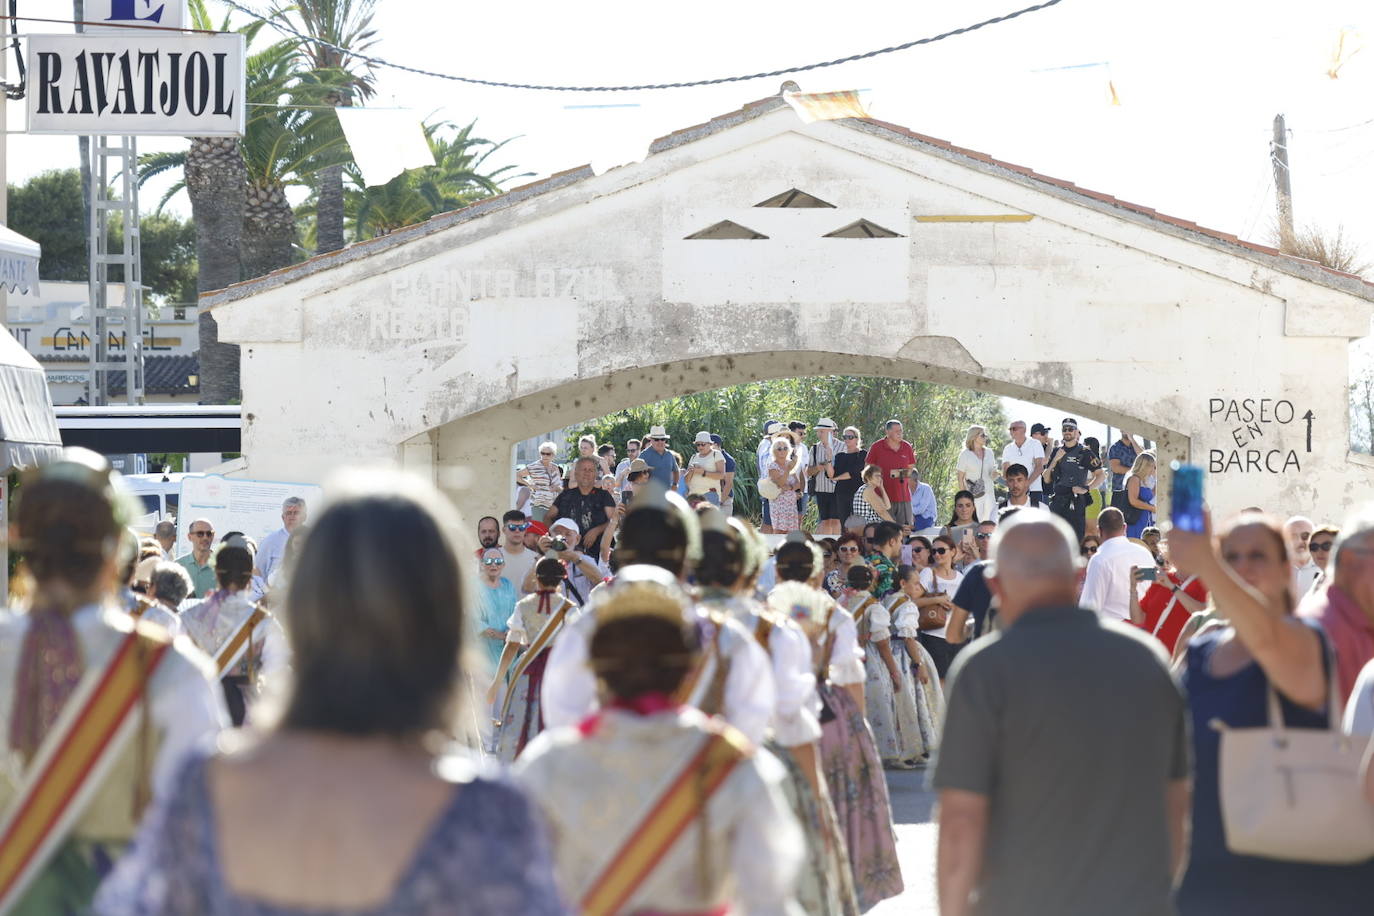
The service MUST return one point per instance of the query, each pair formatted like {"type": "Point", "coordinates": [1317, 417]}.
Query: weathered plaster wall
{"type": "Point", "coordinates": [589, 298]}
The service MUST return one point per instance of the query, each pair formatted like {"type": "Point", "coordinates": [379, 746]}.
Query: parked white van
{"type": "Point", "coordinates": [158, 493]}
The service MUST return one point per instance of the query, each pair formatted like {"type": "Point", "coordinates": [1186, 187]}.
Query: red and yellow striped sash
{"type": "Point", "coordinates": [541, 642]}
{"type": "Point", "coordinates": [69, 763]}
{"type": "Point", "coordinates": [235, 645]}
{"type": "Point", "coordinates": [679, 805]}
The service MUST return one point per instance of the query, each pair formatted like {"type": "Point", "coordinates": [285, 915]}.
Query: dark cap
{"type": "Point", "coordinates": [1039, 428]}
{"type": "Point", "coordinates": [1070, 421]}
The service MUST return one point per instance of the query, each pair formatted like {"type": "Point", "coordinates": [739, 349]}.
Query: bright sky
{"type": "Point", "coordinates": [1199, 84]}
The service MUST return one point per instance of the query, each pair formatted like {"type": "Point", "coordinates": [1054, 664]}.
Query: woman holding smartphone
{"type": "Point", "coordinates": [963, 522]}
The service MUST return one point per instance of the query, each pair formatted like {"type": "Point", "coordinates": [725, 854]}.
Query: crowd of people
{"type": "Point", "coordinates": [627, 700]}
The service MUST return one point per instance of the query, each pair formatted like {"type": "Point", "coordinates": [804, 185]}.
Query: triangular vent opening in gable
{"type": "Point", "coordinates": [863, 229]}
{"type": "Point", "coordinates": [795, 199]}
{"type": "Point", "coordinates": [725, 229]}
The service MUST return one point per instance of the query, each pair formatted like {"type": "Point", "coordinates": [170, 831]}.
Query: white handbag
{"type": "Point", "coordinates": [1295, 793]}
{"type": "Point", "coordinates": [768, 489]}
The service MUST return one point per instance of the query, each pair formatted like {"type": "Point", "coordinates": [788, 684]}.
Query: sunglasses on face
{"type": "Point", "coordinates": [546, 454]}
{"type": "Point", "coordinates": [918, 548]}
{"type": "Point", "coordinates": [850, 436]}
{"type": "Point", "coordinates": [202, 534]}
{"type": "Point", "coordinates": [941, 551]}
{"type": "Point", "coordinates": [1090, 550]}
{"type": "Point", "coordinates": [849, 550]}
{"type": "Point", "coordinates": [982, 537]}
{"type": "Point", "coordinates": [493, 561]}
{"type": "Point", "coordinates": [1322, 547]}
{"type": "Point", "coordinates": [522, 526]}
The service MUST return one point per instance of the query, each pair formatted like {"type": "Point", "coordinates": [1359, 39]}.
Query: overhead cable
{"type": "Point", "coordinates": [286, 28]}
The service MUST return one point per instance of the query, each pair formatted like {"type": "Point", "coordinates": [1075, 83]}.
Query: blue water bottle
{"type": "Point", "coordinates": [1185, 508]}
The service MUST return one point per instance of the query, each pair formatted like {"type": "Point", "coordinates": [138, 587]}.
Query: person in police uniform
{"type": "Point", "coordinates": [1073, 473]}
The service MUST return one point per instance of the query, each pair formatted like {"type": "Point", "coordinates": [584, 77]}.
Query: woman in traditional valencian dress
{"type": "Point", "coordinates": [919, 679]}
{"type": "Point", "coordinates": [849, 755]}
{"type": "Point", "coordinates": [882, 678]}
{"type": "Point", "coordinates": [213, 624]}
{"type": "Point", "coordinates": [732, 554]}
{"type": "Point", "coordinates": [653, 806]}
{"type": "Point", "coordinates": [54, 653]}
{"type": "Point", "coordinates": [531, 631]}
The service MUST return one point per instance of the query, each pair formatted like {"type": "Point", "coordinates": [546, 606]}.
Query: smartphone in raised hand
{"type": "Point", "coordinates": [1185, 504]}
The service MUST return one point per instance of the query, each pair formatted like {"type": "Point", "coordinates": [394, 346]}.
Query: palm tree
{"type": "Point", "coordinates": [287, 139]}
{"type": "Point", "coordinates": [335, 24]}
{"type": "Point", "coordinates": [455, 180]}
{"type": "Point", "coordinates": [215, 180]}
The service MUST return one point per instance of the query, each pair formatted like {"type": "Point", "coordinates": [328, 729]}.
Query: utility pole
{"type": "Point", "coordinates": [1278, 155]}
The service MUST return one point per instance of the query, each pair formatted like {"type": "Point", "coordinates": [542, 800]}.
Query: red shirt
{"type": "Point", "coordinates": [898, 489]}
{"type": "Point", "coordinates": [1165, 617]}
{"type": "Point", "coordinates": [1350, 631]}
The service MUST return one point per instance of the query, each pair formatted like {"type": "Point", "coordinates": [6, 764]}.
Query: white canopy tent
{"type": "Point", "coordinates": [28, 424]}
{"type": "Point", "coordinates": [18, 262]}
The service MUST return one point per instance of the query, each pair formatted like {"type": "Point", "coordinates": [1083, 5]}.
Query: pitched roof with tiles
{"type": "Point", "coordinates": [164, 375]}
{"type": "Point", "coordinates": [1272, 257]}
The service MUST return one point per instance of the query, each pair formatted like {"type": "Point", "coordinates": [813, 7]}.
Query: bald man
{"type": "Point", "coordinates": [1063, 770]}
{"type": "Point", "coordinates": [1298, 530]}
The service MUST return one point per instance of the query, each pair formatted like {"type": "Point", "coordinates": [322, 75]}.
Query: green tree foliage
{"type": "Point", "coordinates": [935, 418]}
{"type": "Point", "coordinates": [458, 177]}
{"type": "Point", "coordinates": [47, 208]}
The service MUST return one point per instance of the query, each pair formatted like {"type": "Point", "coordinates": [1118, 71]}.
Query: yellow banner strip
{"type": "Point", "coordinates": [976, 218]}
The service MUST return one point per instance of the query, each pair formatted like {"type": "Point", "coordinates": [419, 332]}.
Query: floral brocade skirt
{"type": "Point", "coordinates": [858, 790]}
{"type": "Point", "coordinates": [825, 886]}
{"type": "Point", "coordinates": [928, 697]}
{"type": "Point", "coordinates": [880, 706]}
{"type": "Point", "coordinates": [524, 718]}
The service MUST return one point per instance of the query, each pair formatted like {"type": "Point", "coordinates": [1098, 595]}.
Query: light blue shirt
{"type": "Point", "coordinates": [494, 607]}
{"type": "Point", "coordinates": [661, 467]}
{"type": "Point", "coordinates": [922, 507]}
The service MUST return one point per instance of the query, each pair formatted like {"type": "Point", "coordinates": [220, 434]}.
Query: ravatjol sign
{"type": "Point", "coordinates": [137, 82]}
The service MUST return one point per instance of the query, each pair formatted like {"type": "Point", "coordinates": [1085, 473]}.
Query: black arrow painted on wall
{"type": "Point", "coordinates": [1308, 417]}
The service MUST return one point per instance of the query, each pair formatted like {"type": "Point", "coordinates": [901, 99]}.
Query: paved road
{"type": "Point", "coordinates": [912, 809]}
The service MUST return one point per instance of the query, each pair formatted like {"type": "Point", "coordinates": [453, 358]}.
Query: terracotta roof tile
{"type": "Point", "coordinates": [724, 121]}
{"type": "Point", "coordinates": [1109, 199]}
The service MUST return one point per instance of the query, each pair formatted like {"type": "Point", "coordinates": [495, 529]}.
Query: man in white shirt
{"type": "Point", "coordinates": [273, 547]}
{"type": "Point", "coordinates": [706, 469]}
{"type": "Point", "coordinates": [622, 470]}
{"type": "Point", "coordinates": [1298, 530]}
{"type": "Point", "coordinates": [1107, 589]}
{"type": "Point", "coordinates": [1026, 452]}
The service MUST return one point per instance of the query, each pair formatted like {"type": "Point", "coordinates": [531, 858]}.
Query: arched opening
{"type": "Point", "coordinates": [470, 457]}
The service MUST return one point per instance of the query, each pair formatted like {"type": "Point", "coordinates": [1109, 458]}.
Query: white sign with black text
{"type": "Point", "coordinates": [140, 83]}
{"type": "Point", "coordinates": [115, 15]}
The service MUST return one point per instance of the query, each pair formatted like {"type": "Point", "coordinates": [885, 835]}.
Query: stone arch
{"type": "Point", "coordinates": [469, 457]}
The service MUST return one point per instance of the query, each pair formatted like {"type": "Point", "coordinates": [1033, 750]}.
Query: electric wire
{"type": "Point", "coordinates": [285, 28]}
